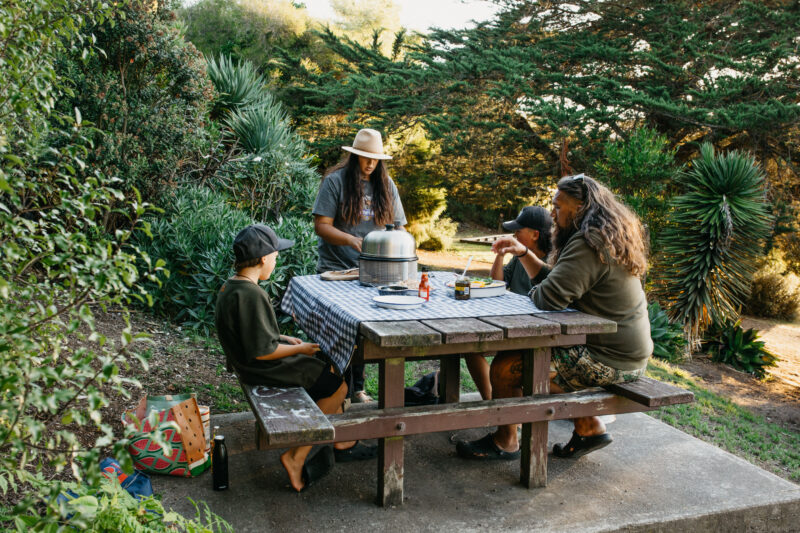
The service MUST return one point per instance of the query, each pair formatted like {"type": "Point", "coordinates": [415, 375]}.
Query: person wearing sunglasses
{"type": "Point", "coordinates": [599, 258]}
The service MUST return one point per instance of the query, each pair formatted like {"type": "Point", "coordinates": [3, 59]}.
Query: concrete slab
{"type": "Point", "coordinates": [652, 478]}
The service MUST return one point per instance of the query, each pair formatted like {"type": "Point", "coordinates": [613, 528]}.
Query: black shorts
{"type": "Point", "coordinates": [327, 383]}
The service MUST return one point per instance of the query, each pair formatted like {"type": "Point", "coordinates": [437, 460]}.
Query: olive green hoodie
{"type": "Point", "coordinates": [580, 280]}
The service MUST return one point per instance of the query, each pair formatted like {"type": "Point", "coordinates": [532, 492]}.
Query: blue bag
{"type": "Point", "coordinates": [137, 484]}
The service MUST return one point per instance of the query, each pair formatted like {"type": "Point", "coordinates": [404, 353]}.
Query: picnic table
{"type": "Point", "coordinates": [343, 319]}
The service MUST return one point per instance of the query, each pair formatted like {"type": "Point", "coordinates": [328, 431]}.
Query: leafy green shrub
{"type": "Point", "coordinates": [668, 340]}
{"type": "Point", "coordinates": [774, 293]}
{"type": "Point", "coordinates": [639, 169]}
{"type": "Point", "coordinates": [424, 207]}
{"type": "Point", "coordinates": [194, 238]}
{"type": "Point", "coordinates": [434, 235]}
{"type": "Point", "coordinates": [423, 202]}
{"type": "Point", "coordinates": [774, 296]}
{"type": "Point", "coordinates": [58, 267]}
{"type": "Point", "coordinates": [714, 239]}
{"type": "Point", "coordinates": [729, 343]}
{"type": "Point", "coordinates": [109, 507]}
{"type": "Point", "coordinates": [147, 93]}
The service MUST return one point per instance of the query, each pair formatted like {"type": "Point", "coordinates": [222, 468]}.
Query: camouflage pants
{"type": "Point", "coordinates": [575, 370]}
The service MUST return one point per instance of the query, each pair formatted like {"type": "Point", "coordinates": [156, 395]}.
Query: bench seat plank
{"type": "Point", "coordinates": [287, 415]}
{"type": "Point", "coordinates": [370, 423]}
{"type": "Point", "coordinates": [651, 392]}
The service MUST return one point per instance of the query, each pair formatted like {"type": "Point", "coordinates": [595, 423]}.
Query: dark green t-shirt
{"type": "Point", "coordinates": [247, 328]}
{"type": "Point", "coordinates": [517, 278]}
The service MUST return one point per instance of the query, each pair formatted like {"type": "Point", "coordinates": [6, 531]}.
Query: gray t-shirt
{"type": "Point", "coordinates": [329, 204]}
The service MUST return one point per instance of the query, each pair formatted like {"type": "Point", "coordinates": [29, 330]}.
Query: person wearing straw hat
{"type": "Point", "coordinates": [356, 196]}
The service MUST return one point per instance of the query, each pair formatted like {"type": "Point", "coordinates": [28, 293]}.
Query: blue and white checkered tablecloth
{"type": "Point", "coordinates": [331, 311]}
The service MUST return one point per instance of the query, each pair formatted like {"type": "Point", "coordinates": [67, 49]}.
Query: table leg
{"type": "Point", "coordinates": [450, 377]}
{"type": "Point", "coordinates": [535, 380]}
{"type": "Point", "coordinates": [390, 450]}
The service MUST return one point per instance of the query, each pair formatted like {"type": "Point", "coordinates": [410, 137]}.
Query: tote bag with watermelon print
{"type": "Point", "coordinates": [189, 456]}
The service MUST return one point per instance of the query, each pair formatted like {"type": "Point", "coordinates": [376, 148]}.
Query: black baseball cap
{"type": "Point", "coordinates": [532, 216]}
{"type": "Point", "coordinates": [258, 240]}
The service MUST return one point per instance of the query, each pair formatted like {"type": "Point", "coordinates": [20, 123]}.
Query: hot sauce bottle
{"type": "Point", "coordinates": [424, 287]}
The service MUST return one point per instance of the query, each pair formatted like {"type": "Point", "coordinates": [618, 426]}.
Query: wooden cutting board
{"type": "Point", "coordinates": [340, 275]}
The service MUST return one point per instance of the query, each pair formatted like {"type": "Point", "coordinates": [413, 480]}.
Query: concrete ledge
{"type": "Point", "coordinates": [652, 478]}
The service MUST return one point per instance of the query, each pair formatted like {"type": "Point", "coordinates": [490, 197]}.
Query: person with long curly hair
{"type": "Point", "coordinates": [356, 196]}
{"type": "Point", "coordinates": [599, 258]}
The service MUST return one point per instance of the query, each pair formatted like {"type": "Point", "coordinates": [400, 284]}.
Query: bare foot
{"type": "Point", "coordinates": [294, 470]}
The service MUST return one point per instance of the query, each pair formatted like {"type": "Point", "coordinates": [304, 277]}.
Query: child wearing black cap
{"type": "Point", "coordinates": [249, 334]}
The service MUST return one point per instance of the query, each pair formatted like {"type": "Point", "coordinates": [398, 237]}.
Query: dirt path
{"type": "Point", "coordinates": [778, 397]}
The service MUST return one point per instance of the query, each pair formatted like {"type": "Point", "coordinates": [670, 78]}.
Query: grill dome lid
{"type": "Point", "coordinates": [389, 244]}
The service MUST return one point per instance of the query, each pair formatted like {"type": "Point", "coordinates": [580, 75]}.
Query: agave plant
{"type": "Point", "coordinates": [713, 241]}
{"type": "Point", "coordinates": [668, 340]}
{"type": "Point", "coordinates": [729, 343]}
{"type": "Point", "coordinates": [261, 129]}
{"type": "Point", "coordinates": [238, 84]}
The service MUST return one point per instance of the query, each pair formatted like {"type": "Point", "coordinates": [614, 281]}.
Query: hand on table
{"type": "Point", "coordinates": [508, 245]}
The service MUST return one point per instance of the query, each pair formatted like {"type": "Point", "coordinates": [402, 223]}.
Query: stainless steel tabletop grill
{"type": "Point", "coordinates": [387, 257]}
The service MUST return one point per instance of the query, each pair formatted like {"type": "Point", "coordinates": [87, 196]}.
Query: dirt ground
{"type": "Point", "coordinates": [778, 397]}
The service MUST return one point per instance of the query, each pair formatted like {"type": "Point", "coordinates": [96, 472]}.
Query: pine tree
{"type": "Point", "coordinates": [504, 97]}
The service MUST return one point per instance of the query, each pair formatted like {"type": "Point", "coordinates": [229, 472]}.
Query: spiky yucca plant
{"type": "Point", "coordinates": [262, 128]}
{"type": "Point", "coordinates": [238, 84]}
{"type": "Point", "coordinates": [713, 240]}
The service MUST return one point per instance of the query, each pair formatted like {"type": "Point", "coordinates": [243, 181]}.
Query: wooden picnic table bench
{"type": "Point", "coordinates": [287, 417]}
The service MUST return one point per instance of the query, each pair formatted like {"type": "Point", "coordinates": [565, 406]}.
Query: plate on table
{"type": "Point", "coordinates": [398, 302]}
{"type": "Point", "coordinates": [482, 289]}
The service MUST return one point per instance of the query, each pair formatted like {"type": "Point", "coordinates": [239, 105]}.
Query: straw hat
{"type": "Point", "coordinates": [369, 144]}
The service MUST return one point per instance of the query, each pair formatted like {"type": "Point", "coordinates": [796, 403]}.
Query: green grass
{"type": "Point", "coordinates": [481, 252]}
{"type": "Point", "coordinates": [414, 371]}
{"type": "Point", "coordinates": [719, 421]}
{"type": "Point", "coordinates": [223, 398]}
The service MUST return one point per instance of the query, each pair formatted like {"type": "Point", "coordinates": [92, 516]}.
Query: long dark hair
{"type": "Point", "coordinates": [354, 191]}
{"type": "Point", "coordinates": [607, 224]}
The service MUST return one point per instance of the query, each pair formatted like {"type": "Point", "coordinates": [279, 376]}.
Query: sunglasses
{"type": "Point", "coordinates": [579, 178]}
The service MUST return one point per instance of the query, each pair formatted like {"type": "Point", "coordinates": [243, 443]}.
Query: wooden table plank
{"type": "Point", "coordinates": [574, 322]}
{"type": "Point", "coordinates": [373, 352]}
{"type": "Point", "coordinates": [403, 333]}
{"type": "Point", "coordinates": [460, 330]}
{"type": "Point", "coordinates": [523, 325]}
